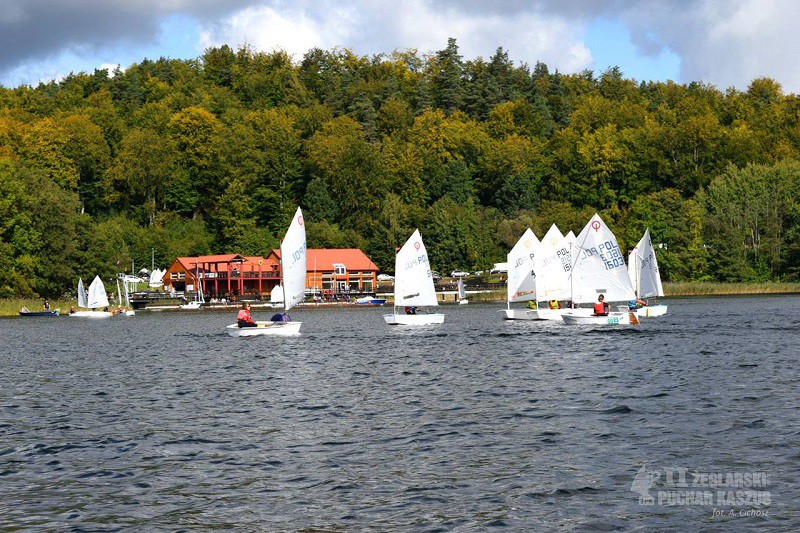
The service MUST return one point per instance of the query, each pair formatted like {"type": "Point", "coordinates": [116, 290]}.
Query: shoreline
{"type": "Point", "coordinates": [11, 306]}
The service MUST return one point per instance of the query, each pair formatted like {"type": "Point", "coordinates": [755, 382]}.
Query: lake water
{"type": "Point", "coordinates": [163, 421]}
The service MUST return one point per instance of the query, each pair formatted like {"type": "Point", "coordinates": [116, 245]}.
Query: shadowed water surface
{"type": "Point", "coordinates": [163, 421]}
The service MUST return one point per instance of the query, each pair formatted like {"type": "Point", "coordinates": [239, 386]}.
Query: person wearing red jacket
{"type": "Point", "coordinates": [600, 307]}
{"type": "Point", "coordinates": [244, 319]}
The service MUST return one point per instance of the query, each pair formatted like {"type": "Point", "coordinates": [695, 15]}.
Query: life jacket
{"type": "Point", "coordinates": [554, 304]}
{"type": "Point", "coordinates": [244, 314]}
{"type": "Point", "coordinates": [599, 308]}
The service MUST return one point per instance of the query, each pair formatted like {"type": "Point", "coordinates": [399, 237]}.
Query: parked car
{"type": "Point", "coordinates": [459, 273]}
{"type": "Point", "coordinates": [436, 276]}
{"type": "Point", "coordinates": [385, 277]}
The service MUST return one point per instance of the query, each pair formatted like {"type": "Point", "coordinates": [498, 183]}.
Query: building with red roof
{"type": "Point", "coordinates": [330, 272]}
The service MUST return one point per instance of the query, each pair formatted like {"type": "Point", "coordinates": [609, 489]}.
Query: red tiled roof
{"type": "Point", "coordinates": [323, 259]}
{"type": "Point", "coordinates": [247, 264]}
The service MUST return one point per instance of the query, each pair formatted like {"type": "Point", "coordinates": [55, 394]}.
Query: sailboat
{"type": "Point", "coordinates": [598, 267]}
{"type": "Point", "coordinates": [552, 268]}
{"type": "Point", "coordinates": [95, 299]}
{"type": "Point", "coordinates": [293, 280]}
{"type": "Point", "coordinates": [413, 286]}
{"type": "Point", "coordinates": [462, 293]}
{"type": "Point", "coordinates": [521, 284]}
{"type": "Point", "coordinates": [198, 295]}
{"type": "Point", "coordinates": [645, 277]}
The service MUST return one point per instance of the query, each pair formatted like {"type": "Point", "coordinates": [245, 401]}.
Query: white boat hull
{"type": "Point", "coordinates": [518, 314]}
{"type": "Point", "coordinates": [265, 328]}
{"type": "Point", "coordinates": [191, 305]}
{"type": "Point", "coordinates": [652, 310]}
{"type": "Point", "coordinates": [463, 302]}
{"type": "Point", "coordinates": [395, 319]}
{"type": "Point", "coordinates": [612, 319]}
{"type": "Point", "coordinates": [91, 314]}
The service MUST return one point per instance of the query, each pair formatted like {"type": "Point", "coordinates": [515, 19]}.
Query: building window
{"type": "Point", "coordinates": [173, 275]}
{"type": "Point", "coordinates": [339, 269]}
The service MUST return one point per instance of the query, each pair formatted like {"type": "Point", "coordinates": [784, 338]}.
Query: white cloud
{"type": "Point", "coordinates": [376, 27]}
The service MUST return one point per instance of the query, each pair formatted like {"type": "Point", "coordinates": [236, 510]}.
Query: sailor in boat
{"type": "Point", "coordinates": [411, 310]}
{"type": "Point", "coordinates": [280, 317]}
{"type": "Point", "coordinates": [601, 307]}
{"type": "Point", "coordinates": [244, 319]}
{"type": "Point", "coordinates": [71, 309]}
{"type": "Point", "coordinates": [554, 304]}
{"type": "Point", "coordinates": [636, 304]}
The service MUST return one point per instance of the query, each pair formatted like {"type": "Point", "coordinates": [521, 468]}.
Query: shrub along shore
{"type": "Point", "coordinates": [12, 306]}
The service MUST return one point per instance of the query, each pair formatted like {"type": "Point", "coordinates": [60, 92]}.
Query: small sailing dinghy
{"type": "Point", "coordinates": [598, 267]}
{"type": "Point", "coordinates": [462, 293]}
{"type": "Point", "coordinates": [645, 277]}
{"type": "Point", "coordinates": [96, 299]}
{"type": "Point", "coordinates": [521, 285]}
{"type": "Point", "coordinates": [551, 269]}
{"type": "Point", "coordinates": [293, 280]}
{"type": "Point", "coordinates": [413, 286]}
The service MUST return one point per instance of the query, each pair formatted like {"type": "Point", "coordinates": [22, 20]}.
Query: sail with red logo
{"type": "Point", "coordinates": [413, 286]}
{"type": "Point", "coordinates": [598, 267]}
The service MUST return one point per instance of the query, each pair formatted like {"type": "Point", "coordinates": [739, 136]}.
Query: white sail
{"type": "Point", "coordinates": [598, 266]}
{"type": "Point", "coordinates": [570, 238]}
{"type": "Point", "coordinates": [552, 267]}
{"type": "Point", "coordinates": [97, 294]}
{"type": "Point", "coordinates": [521, 280]}
{"type": "Point", "coordinates": [81, 294]}
{"type": "Point", "coordinates": [293, 262]}
{"type": "Point", "coordinates": [462, 292]}
{"type": "Point", "coordinates": [413, 282]}
{"type": "Point", "coordinates": [643, 269]}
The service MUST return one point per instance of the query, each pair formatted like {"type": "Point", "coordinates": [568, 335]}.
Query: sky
{"type": "Point", "coordinates": [726, 43]}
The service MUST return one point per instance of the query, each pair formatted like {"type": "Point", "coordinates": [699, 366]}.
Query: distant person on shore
{"type": "Point", "coordinates": [47, 306]}
{"type": "Point", "coordinates": [244, 319]}
{"type": "Point", "coordinates": [601, 307]}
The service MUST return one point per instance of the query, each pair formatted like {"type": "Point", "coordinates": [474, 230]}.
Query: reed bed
{"type": "Point", "coordinates": [707, 288]}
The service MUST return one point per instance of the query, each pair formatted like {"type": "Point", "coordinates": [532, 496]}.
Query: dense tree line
{"type": "Point", "coordinates": [214, 155]}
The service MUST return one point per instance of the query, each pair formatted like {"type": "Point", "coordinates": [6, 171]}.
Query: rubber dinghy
{"type": "Point", "coordinates": [413, 286]}
{"type": "Point", "coordinates": [293, 279]}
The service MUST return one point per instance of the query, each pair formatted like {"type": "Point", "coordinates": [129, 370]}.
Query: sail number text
{"type": "Point", "coordinates": [609, 254]}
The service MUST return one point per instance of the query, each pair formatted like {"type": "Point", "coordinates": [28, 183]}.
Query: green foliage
{"type": "Point", "coordinates": [181, 157]}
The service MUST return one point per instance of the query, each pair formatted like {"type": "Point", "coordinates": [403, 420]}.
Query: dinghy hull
{"type": "Point", "coordinates": [612, 319]}
{"type": "Point", "coordinates": [652, 310]}
{"type": "Point", "coordinates": [395, 319]}
{"type": "Point", "coordinates": [265, 328]}
{"type": "Point", "coordinates": [91, 314]}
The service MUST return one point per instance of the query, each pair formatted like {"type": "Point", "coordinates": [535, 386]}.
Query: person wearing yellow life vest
{"type": "Point", "coordinates": [554, 304]}
{"type": "Point", "coordinates": [600, 307]}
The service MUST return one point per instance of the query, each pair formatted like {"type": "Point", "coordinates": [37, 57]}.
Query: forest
{"type": "Point", "coordinates": [213, 155]}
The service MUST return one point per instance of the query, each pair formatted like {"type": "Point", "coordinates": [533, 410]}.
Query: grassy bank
{"type": "Point", "coordinates": [12, 306]}
{"type": "Point", "coordinates": [705, 288]}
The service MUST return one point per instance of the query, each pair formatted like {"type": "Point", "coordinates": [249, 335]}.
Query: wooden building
{"type": "Point", "coordinates": [330, 272]}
